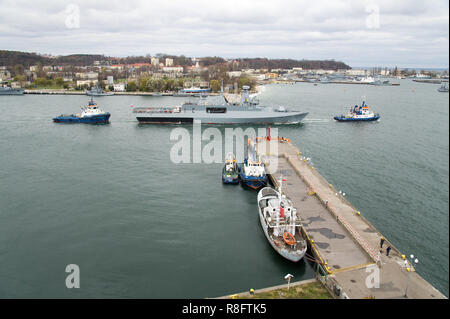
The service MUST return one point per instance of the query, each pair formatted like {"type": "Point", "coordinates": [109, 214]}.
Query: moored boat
{"type": "Point", "coordinates": [281, 224]}
{"type": "Point", "coordinates": [230, 171]}
{"type": "Point", "coordinates": [358, 113]}
{"type": "Point", "coordinates": [443, 88]}
{"type": "Point", "coordinates": [98, 92]}
{"type": "Point", "coordinates": [253, 174]}
{"type": "Point", "coordinates": [89, 114]}
{"type": "Point", "coordinates": [6, 90]}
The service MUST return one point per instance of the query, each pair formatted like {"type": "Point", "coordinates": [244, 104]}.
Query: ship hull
{"type": "Point", "coordinates": [96, 119]}
{"type": "Point", "coordinates": [351, 119]}
{"type": "Point", "coordinates": [294, 257]}
{"type": "Point", "coordinates": [99, 94]}
{"type": "Point", "coordinates": [240, 118]}
{"type": "Point", "coordinates": [12, 92]}
{"type": "Point", "coordinates": [253, 182]}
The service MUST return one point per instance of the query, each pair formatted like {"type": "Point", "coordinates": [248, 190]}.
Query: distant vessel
{"type": "Point", "coordinates": [252, 173]}
{"type": "Point", "coordinates": [98, 92]}
{"type": "Point", "coordinates": [219, 112]}
{"type": "Point", "coordinates": [443, 88]}
{"type": "Point", "coordinates": [280, 224]}
{"type": "Point", "coordinates": [90, 114]}
{"type": "Point", "coordinates": [367, 79]}
{"type": "Point", "coordinates": [358, 113]}
{"type": "Point", "coordinates": [195, 90]}
{"type": "Point", "coordinates": [230, 171]}
{"type": "Point", "coordinates": [381, 82]}
{"type": "Point", "coordinates": [6, 90]}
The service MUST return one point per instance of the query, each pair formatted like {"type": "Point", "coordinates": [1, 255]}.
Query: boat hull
{"type": "Point", "coordinates": [12, 92]}
{"type": "Point", "coordinates": [99, 94]}
{"type": "Point", "coordinates": [239, 118]}
{"type": "Point", "coordinates": [294, 257]}
{"type": "Point", "coordinates": [230, 180]}
{"type": "Point", "coordinates": [351, 119]}
{"type": "Point", "coordinates": [96, 119]}
{"type": "Point", "coordinates": [253, 182]}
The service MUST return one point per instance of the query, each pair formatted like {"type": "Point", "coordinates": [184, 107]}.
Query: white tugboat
{"type": "Point", "coordinates": [280, 224]}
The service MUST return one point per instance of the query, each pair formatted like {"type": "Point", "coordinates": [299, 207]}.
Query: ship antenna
{"type": "Point", "coordinates": [280, 185]}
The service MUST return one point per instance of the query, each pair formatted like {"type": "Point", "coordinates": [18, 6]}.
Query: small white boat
{"type": "Point", "coordinates": [280, 224]}
{"type": "Point", "coordinates": [443, 88]}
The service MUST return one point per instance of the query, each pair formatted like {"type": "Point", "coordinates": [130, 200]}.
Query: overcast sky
{"type": "Point", "coordinates": [357, 32]}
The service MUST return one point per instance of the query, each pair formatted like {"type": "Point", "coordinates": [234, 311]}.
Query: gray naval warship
{"type": "Point", "coordinates": [220, 111]}
{"type": "Point", "coordinates": [6, 90]}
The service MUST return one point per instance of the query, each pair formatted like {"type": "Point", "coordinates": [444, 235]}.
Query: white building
{"type": "Point", "coordinates": [259, 77]}
{"type": "Point", "coordinates": [173, 69]}
{"type": "Point", "coordinates": [356, 72]}
{"type": "Point", "coordinates": [169, 62]}
{"type": "Point", "coordinates": [91, 75]}
{"type": "Point", "coordinates": [234, 74]}
{"type": "Point", "coordinates": [87, 82]}
{"type": "Point", "coordinates": [5, 74]}
{"type": "Point", "coordinates": [119, 87]}
{"type": "Point", "coordinates": [154, 61]}
{"type": "Point", "coordinates": [87, 75]}
{"type": "Point", "coordinates": [110, 79]}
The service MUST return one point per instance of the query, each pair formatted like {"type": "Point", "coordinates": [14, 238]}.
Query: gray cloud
{"type": "Point", "coordinates": [411, 33]}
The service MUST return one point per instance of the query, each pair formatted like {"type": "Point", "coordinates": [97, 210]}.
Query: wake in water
{"type": "Point", "coordinates": [316, 120]}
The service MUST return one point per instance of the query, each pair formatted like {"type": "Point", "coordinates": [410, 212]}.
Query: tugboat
{"type": "Point", "coordinates": [358, 113]}
{"type": "Point", "coordinates": [253, 173]}
{"type": "Point", "coordinates": [89, 114]}
{"type": "Point", "coordinates": [280, 224]}
{"type": "Point", "coordinates": [230, 171]}
{"type": "Point", "coordinates": [443, 88]}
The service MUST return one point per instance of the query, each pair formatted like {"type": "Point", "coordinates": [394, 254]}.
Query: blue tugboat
{"type": "Point", "coordinates": [90, 114]}
{"type": "Point", "coordinates": [230, 171]}
{"type": "Point", "coordinates": [358, 113]}
{"type": "Point", "coordinates": [253, 173]}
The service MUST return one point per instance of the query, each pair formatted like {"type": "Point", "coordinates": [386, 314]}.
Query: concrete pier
{"type": "Point", "coordinates": [342, 241]}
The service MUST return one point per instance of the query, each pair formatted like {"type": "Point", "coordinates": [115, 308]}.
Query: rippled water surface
{"type": "Point", "coordinates": [108, 198]}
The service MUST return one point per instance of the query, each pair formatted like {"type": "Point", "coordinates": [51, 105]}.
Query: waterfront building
{"type": "Point", "coordinates": [119, 87]}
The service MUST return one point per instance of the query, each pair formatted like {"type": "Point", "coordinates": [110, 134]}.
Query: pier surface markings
{"type": "Point", "coordinates": [344, 239]}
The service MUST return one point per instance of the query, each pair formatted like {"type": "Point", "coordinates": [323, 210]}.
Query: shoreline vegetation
{"type": "Point", "coordinates": [307, 289]}
{"type": "Point", "coordinates": [158, 73]}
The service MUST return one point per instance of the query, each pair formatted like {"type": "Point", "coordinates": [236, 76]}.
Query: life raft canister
{"type": "Point", "coordinates": [289, 238]}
